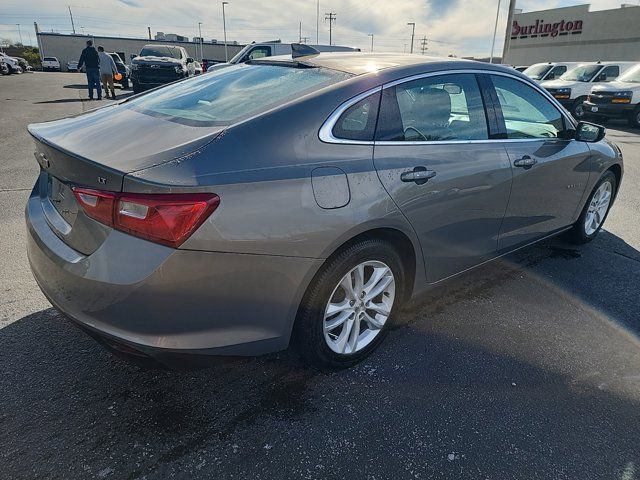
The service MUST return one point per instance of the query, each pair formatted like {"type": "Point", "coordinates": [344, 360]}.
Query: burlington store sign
{"type": "Point", "coordinates": [542, 29]}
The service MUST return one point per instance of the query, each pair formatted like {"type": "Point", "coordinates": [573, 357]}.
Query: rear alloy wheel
{"type": "Point", "coordinates": [595, 211]}
{"type": "Point", "coordinates": [348, 308]}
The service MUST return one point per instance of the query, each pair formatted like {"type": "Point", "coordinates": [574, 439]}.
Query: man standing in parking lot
{"type": "Point", "coordinates": [91, 61]}
{"type": "Point", "coordinates": [107, 70]}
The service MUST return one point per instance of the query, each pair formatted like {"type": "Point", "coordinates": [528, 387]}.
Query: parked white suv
{"type": "Point", "coordinates": [572, 88]}
{"type": "Point", "coordinates": [549, 70]}
{"type": "Point", "coordinates": [617, 99]}
{"type": "Point", "coordinates": [51, 63]}
{"type": "Point", "coordinates": [12, 63]}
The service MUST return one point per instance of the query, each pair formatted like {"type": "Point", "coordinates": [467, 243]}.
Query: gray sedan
{"type": "Point", "coordinates": [301, 201]}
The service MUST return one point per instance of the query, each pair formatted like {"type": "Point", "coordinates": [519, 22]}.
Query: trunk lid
{"type": "Point", "coordinates": [96, 150]}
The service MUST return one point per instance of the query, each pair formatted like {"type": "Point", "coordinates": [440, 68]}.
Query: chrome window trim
{"type": "Point", "coordinates": [326, 130]}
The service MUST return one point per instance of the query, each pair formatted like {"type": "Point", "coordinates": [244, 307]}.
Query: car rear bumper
{"type": "Point", "coordinates": [608, 109]}
{"type": "Point", "coordinates": [169, 304]}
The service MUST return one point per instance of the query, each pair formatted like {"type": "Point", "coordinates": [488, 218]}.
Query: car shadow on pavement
{"type": "Point", "coordinates": [503, 374]}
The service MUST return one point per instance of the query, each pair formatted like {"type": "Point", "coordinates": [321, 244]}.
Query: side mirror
{"type": "Point", "coordinates": [589, 132]}
{"type": "Point", "coordinates": [601, 78]}
{"type": "Point", "coordinates": [189, 60]}
{"type": "Point", "coordinates": [551, 76]}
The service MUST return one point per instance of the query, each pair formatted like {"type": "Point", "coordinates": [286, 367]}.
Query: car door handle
{"type": "Point", "coordinates": [525, 162]}
{"type": "Point", "coordinates": [419, 175]}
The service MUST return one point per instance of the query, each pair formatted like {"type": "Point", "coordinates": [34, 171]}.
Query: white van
{"type": "Point", "coordinates": [271, 49]}
{"type": "Point", "coordinates": [572, 88]}
{"type": "Point", "coordinates": [617, 99]}
{"type": "Point", "coordinates": [549, 70]}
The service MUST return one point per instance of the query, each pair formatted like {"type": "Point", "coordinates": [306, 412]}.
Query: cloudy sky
{"type": "Point", "coordinates": [460, 27]}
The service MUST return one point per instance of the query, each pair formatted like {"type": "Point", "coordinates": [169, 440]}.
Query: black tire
{"type": "Point", "coordinates": [634, 118]}
{"type": "Point", "coordinates": [578, 234]}
{"type": "Point", "coordinates": [308, 334]}
{"type": "Point", "coordinates": [577, 110]}
{"type": "Point", "coordinates": [136, 87]}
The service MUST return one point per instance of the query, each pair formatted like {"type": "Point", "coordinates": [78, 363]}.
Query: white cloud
{"type": "Point", "coordinates": [465, 25]}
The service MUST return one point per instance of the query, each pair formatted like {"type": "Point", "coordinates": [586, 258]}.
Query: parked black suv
{"type": "Point", "coordinates": [160, 64]}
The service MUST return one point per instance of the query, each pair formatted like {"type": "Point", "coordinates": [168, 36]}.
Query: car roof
{"type": "Point", "coordinates": [358, 63]}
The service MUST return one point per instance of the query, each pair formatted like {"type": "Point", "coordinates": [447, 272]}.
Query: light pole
{"type": "Point", "coordinates": [82, 28]}
{"type": "Point", "coordinates": [19, 33]}
{"type": "Point", "coordinates": [413, 33]}
{"type": "Point", "coordinates": [224, 28]}
{"type": "Point", "coordinates": [495, 29]}
{"type": "Point", "coordinates": [371, 35]}
{"type": "Point", "coordinates": [200, 33]}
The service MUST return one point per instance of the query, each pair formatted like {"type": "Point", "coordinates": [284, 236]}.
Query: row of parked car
{"type": "Point", "coordinates": [600, 90]}
{"type": "Point", "coordinates": [9, 65]}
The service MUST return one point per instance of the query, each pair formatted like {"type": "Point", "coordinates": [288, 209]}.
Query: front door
{"type": "Point", "coordinates": [550, 170]}
{"type": "Point", "coordinates": [434, 157]}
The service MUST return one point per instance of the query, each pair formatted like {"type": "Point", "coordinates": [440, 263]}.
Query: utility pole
{"type": "Point", "coordinates": [73, 27]}
{"type": "Point", "coordinates": [507, 35]}
{"type": "Point", "coordinates": [423, 45]}
{"type": "Point", "coordinates": [371, 35]}
{"type": "Point", "coordinates": [404, 50]}
{"type": "Point", "coordinates": [413, 33]}
{"type": "Point", "coordinates": [318, 22]}
{"type": "Point", "coordinates": [19, 33]}
{"type": "Point", "coordinates": [224, 28]}
{"type": "Point", "coordinates": [300, 32]}
{"type": "Point", "coordinates": [200, 32]}
{"type": "Point", "coordinates": [332, 18]}
{"type": "Point", "coordinates": [149, 30]}
{"type": "Point", "coordinates": [495, 30]}
{"type": "Point", "coordinates": [304, 39]}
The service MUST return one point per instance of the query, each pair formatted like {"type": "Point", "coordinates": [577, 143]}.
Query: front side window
{"type": "Point", "coordinates": [526, 112]}
{"type": "Point", "coordinates": [259, 52]}
{"type": "Point", "coordinates": [439, 108]}
{"type": "Point", "coordinates": [234, 93]}
{"type": "Point", "coordinates": [608, 74]}
{"type": "Point", "coordinates": [556, 72]}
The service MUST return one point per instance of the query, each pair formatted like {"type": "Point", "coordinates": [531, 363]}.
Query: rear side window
{"type": "Point", "coordinates": [439, 108]}
{"type": "Point", "coordinates": [526, 112]}
{"type": "Point", "coordinates": [233, 93]}
{"type": "Point", "coordinates": [358, 122]}
{"type": "Point", "coordinates": [50, 59]}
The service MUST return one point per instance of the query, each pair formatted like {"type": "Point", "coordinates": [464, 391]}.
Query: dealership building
{"type": "Point", "coordinates": [68, 47]}
{"type": "Point", "coordinates": [574, 34]}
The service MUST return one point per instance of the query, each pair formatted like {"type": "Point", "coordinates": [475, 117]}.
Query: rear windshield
{"type": "Point", "coordinates": [50, 59]}
{"type": "Point", "coordinates": [171, 52]}
{"type": "Point", "coordinates": [234, 93]}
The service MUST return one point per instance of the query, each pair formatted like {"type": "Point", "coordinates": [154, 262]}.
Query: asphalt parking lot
{"type": "Point", "coordinates": [527, 368]}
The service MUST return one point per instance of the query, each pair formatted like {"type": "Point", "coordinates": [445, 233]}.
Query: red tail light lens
{"type": "Point", "coordinates": [167, 218]}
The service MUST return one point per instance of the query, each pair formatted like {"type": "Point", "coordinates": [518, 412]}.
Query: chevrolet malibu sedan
{"type": "Point", "coordinates": [301, 201]}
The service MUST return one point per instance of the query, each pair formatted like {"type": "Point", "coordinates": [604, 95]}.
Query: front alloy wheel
{"type": "Point", "coordinates": [595, 211]}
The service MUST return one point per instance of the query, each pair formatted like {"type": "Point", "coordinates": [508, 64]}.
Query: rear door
{"type": "Point", "coordinates": [550, 169]}
{"type": "Point", "coordinates": [434, 156]}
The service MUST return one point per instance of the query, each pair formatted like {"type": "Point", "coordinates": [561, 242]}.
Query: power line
{"type": "Point", "coordinates": [332, 18]}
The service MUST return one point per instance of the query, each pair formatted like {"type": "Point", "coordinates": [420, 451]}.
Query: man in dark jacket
{"type": "Point", "coordinates": [91, 62]}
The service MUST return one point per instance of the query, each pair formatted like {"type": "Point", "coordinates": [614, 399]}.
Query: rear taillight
{"type": "Point", "coordinates": [162, 218]}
